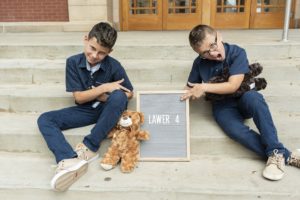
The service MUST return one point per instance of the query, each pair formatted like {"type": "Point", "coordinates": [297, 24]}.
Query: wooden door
{"type": "Point", "coordinates": [160, 14]}
{"type": "Point", "coordinates": [141, 14]}
{"type": "Point", "coordinates": [181, 14]}
{"type": "Point", "coordinates": [268, 13]}
{"type": "Point", "coordinates": [233, 14]}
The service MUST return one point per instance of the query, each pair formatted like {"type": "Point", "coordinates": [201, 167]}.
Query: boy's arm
{"type": "Point", "coordinates": [228, 87]}
{"type": "Point", "coordinates": [92, 94]}
{"type": "Point", "coordinates": [129, 94]}
{"type": "Point", "coordinates": [103, 97]}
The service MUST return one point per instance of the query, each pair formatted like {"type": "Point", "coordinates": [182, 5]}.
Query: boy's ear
{"type": "Point", "coordinates": [85, 38]}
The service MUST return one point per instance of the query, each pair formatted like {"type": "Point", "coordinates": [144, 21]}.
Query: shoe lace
{"type": "Point", "coordinates": [276, 159]}
{"type": "Point", "coordinates": [81, 151]}
{"type": "Point", "coordinates": [60, 166]}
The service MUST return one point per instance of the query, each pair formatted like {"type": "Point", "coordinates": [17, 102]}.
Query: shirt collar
{"type": "Point", "coordinates": [94, 68]}
{"type": "Point", "coordinates": [83, 63]}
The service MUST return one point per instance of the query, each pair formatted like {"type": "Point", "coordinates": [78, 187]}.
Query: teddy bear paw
{"type": "Point", "coordinates": [106, 166]}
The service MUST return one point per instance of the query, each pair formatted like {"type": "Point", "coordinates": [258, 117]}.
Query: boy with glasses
{"type": "Point", "coordinates": [230, 113]}
{"type": "Point", "coordinates": [101, 90]}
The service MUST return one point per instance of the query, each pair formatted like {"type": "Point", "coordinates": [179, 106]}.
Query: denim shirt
{"type": "Point", "coordinates": [79, 78]}
{"type": "Point", "coordinates": [204, 69]}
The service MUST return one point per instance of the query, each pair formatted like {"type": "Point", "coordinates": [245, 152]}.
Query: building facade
{"type": "Point", "coordinates": [126, 15]}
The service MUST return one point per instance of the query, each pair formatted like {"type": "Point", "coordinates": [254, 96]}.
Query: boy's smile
{"type": "Point", "coordinates": [93, 51]}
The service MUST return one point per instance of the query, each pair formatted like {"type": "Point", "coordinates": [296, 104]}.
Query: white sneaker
{"type": "Point", "coordinates": [275, 167]}
{"type": "Point", "coordinates": [68, 171]}
{"type": "Point", "coordinates": [85, 153]}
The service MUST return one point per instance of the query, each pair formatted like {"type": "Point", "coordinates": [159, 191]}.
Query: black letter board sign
{"type": "Point", "coordinates": [167, 120]}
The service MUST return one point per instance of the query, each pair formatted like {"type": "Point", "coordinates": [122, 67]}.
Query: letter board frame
{"type": "Point", "coordinates": [167, 120]}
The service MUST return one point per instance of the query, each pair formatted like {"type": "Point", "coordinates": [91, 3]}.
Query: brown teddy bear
{"type": "Point", "coordinates": [250, 82]}
{"type": "Point", "coordinates": [125, 144]}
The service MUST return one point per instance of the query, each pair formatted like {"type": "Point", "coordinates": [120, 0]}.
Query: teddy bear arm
{"type": "Point", "coordinates": [142, 135]}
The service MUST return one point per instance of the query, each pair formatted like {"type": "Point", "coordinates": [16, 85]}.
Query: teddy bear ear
{"type": "Point", "coordinates": [142, 118]}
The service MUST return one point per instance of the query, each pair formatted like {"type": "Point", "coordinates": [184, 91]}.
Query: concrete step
{"type": "Point", "coordinates": [282, 98]}
{"type": "Point", "coordinates": [147, 45]}
{"type": "Point", "coordinates": [27, 176]}
{"type": "Point", "coordinates": [43, 71]}
{"type": "Point", "coordinates": [206, 137]}
{"type": "Point", "coordinates": [33, 27]}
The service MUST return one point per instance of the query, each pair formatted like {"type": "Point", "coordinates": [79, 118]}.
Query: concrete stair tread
{"type": "Point", "coordinates": [201, 125]}
{"type": "Point", "coordinates": [147, 44]}
{"type": "Point", "coordinates": [40, 98]}
{"type": "Point", "coordinates": [205, 136]}
{"type": "Point", "coordinates": [33, 27]}
{"type": "Point", "coordinates": [45, 63]}
{"type": "Point", "coordinates": [203, 176]}
{"type": "Point", "coordinates": [284, 89]}
{"type": "Point", "coordinates": [45, 71]}
{"type": "Point", "coordinates": [153, 38]}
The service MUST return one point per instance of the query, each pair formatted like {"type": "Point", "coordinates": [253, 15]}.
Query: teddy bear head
{"type": "Point", "coordinates": [131, 119]}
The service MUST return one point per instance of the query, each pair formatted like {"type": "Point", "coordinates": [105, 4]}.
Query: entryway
{"type": "Point", "coordinates": [185, 14]}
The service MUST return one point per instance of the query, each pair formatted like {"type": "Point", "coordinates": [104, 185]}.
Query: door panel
{"type": "Point", "coordinates": [181, 14]}
{"type": "Point", "coordinates": [142, 14]}
{"type": "Point", "coordinates": [230, 14]}
{"type": "Point", "coordinates": [267, 13]}
{"type": "Point", "coordinates": [160, 14]}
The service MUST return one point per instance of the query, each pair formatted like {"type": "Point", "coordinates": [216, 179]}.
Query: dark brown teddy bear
{"type": "Point", "coordinates": [250, 82]}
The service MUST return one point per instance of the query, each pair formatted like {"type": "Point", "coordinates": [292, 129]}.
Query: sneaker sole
{"type": "Point", "coordinates": [273, 177]}
{"type": "Point", "coordinates": [65, 178]}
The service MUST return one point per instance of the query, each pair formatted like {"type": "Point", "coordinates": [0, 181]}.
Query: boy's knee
{"type": "Point", "coordinates": [118, 97]}
{"type": "Point", "coordinates": [253, 98]}
{"type": "Point", "coordinates": [43, 119]}
{"type": "Point", "coordinates": [252, 95]}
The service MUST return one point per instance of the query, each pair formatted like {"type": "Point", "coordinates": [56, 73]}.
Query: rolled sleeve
{"type": "Point", "coordinates": [194, 76]}
{"type": "Point", "coordinates": [73, 82]}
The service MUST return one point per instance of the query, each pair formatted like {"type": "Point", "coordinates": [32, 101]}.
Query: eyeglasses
{"type": "Point", "coordinates": [212, 47]}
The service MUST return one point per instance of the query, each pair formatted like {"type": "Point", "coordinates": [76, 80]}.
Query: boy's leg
{"type": "Point", "coordinates": [110, 114]}
{"type": "Point", "coordinates": [232, 122]}
{"type": "Point", "coordinates": [253, 105]}
{"type": "Point", "coordinates": [52, 123]}
{"type": "Point", "coordinates": [70, 167]}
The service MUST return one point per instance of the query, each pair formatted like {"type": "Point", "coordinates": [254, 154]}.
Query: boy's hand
{"type": "Point", "coordinates": [195, 92]}
{"type": "Point", "coordinates": [103, 97]}
{"type": "Point", "coordinates": [110, 87]}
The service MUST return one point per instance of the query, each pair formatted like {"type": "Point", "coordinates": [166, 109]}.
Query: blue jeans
{"type": "Point", "coordinates": [231, 113]}
{"type": "Point", "coordinates": [106, 115]}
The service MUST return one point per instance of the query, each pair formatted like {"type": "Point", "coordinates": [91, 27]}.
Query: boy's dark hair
{"type": "Point", "coordinates": [198, 34]}
{"type": "Point", "coordinates": [105, 34]}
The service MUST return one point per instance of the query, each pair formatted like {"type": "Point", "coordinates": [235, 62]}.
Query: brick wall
{"type": "Point", "coordinates": [33, 10]}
